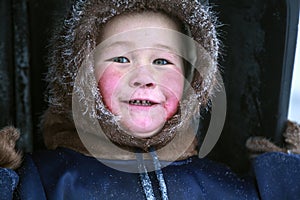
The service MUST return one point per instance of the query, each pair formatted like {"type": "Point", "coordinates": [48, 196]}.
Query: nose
{"type": "Point", "coordinates": [143, 79]}
{"type": "Point", "coordinates": [145, 85]}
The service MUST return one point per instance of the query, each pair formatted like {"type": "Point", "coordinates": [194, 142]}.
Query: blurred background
{"type": "Point", "coordinates": [294, 105]}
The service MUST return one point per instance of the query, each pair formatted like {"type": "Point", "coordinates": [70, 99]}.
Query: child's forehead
{"type": "Point", "coordinates": [159, 39]}
{"type": "Point", "coordinates": [141, 30]}
{"type": "Point", "coordinates": [128, 22]}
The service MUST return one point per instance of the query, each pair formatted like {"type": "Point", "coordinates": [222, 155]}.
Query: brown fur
{"type": "Point", "coordinates": [292, 137]}
{"type": "Point", "coordinates": [9, 156]}
{"type": "Point", "coordinates": [257, 145]}
{"type": "Point", "coordinates": [61, 132]}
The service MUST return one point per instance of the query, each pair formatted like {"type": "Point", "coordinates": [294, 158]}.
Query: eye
{"type": "Point", "coordinates": [161, 61]}
{"type": "Point", "coordinates": [120, 59]}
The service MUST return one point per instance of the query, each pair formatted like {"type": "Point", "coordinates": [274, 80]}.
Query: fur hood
{"type": "Point", "coordinates": [73, 45]}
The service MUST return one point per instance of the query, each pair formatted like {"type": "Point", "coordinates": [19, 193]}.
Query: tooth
{"type": "Point", "coordinates": [140, 102]}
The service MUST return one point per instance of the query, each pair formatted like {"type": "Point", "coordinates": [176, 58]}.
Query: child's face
{"type": "Point", "coordinates": [139, 77]}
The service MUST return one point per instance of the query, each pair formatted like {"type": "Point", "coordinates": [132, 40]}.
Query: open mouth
{"type": "Point", "coordinates": [141, 102]}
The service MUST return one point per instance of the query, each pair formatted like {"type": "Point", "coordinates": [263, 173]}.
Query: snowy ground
{"type": "Point", "coordinates": [294, 109]}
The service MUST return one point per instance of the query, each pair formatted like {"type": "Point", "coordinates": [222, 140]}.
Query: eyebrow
{"type": "Point", "coordinates": [162, 46]}
{"type": "Point", "coordinates": [118, 43]}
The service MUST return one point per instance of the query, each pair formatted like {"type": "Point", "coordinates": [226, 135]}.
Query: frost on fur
{"type": "Point", "coordinates": [9, 156]}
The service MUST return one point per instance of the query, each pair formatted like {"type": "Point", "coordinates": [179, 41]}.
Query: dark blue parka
{"type": "Point", "coordinates": [65, 174]}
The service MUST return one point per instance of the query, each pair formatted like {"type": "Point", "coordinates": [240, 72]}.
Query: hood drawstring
{"type": "Point", "coordinates": [159, 176]}
{"type": "Point", "coordinates": [145, 179]}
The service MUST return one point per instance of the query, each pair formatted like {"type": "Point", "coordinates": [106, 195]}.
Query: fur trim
{"type": "Point", "coordinates": [60, 132]}
{"type": "Point", "coordinates": [258, 145]}
{"type": "Point", "coordinates": [9, 156]}
{"type": "Point", "coordinates": [292, 137]}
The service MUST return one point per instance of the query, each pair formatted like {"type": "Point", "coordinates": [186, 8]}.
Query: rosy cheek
{"type": "Point", "coordinates": [107, 84]}
{"type": "Point", "coordinates": [171, 107]}
{"type": "Point", "coordinates": [173, 92]}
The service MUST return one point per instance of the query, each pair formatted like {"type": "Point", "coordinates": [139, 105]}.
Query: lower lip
{"type": "Point", "coordinates": [141, 107]}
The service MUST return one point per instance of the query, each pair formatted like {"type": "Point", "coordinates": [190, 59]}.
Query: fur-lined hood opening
{"type": "Point", "coordinates": [77, 40]}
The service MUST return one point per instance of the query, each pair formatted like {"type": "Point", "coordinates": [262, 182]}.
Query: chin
{"type": "Point", "coordinates": [143, 135]}
{"type": "Point", "coordinates": [142, 132]}
{"type": "Point", "coordinates": [142, 127]}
